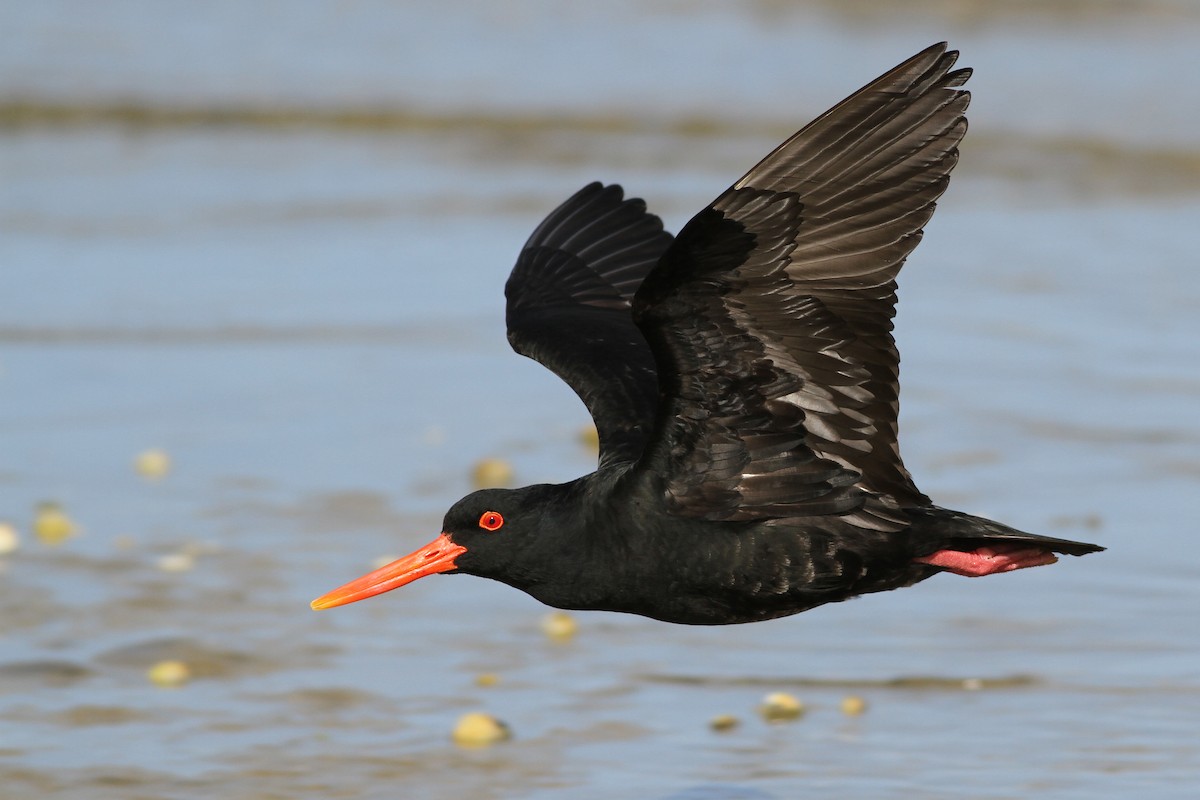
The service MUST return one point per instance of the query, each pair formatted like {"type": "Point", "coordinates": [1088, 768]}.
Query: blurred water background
{"type": "Point", "coordinates": [271, 240]}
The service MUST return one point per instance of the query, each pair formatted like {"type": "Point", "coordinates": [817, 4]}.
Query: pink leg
{"type": "Point", "coordinates": [989, 560]}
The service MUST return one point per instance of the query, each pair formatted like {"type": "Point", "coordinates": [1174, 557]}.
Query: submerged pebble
{"type": "Point", "coordinates": [169, 673]}
{"type": "Point", "coordinates": [853, 705]}
{"type": "Point", "coordinates": [176, 562]}
{"type": "Point", "coordinates": [559, 626]}
{"type": "Point", "coordinates": [479, 730]}
{"type": "Point", "coordinates": [780, 707]}
{"type": "Point", "coordinates": [382, 561]}
{"type": "Point", "coordinates": [492, 473]}
{"type": "Point", "coordinates": [487, 679]}
{"type": "Point", "coordinates": [10, 540]}
{"type": "Point", "coordinates": [152, 464]}
{"type": "Point", "coordinates": [723, 722]}
{"type": "Point", "coordinates": [52, 525]}
{"type": "Point", "coordinates": [589, 437]}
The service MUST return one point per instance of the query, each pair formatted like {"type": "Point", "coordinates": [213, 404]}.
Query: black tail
{"type": "Point", "coordinates": [953, 530]}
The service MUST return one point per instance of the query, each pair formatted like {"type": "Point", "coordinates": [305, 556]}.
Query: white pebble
{"type": "Point", "coordinates": [10, 540]}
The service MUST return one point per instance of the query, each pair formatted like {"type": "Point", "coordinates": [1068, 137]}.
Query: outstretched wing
{"type": "Point", "coordinates": [770, 316]}
{"type": "Point", "coordinates": [569, 299]}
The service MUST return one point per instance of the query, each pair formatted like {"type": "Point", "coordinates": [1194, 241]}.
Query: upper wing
{"type": "Point", "coordinates": [569, 299]}
{"type": "Point", "coordinates": [770, 315]}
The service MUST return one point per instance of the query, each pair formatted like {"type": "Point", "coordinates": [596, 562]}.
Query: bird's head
{"type": "Point", "coordinates": [480, 534]}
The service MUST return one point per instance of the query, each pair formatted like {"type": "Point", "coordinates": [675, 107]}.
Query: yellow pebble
{"type": "Point", "coordinates": [589, 437]}
{"type": "Point", "coordinates": [490, 473]}
{"type": "Point", "coordinates": [169, 673]}
{"type": "Point", "coordinates": [780, 707]}
{"type": "Point", "coordinates": [52, 525]}
{"type": "Point", "coordinates": [853, 705]}
{"type": "Point", "coordinates": [559, 626]}
{"type": "Point", "coordinates": [152, 464]}
{"type": "Point", "coordinates": [487, 679]}
{"type": "Point", "coordinates": [10, 540]}
{"type": "Point", "coordinates": [723, 722]}
{"type": "Point", "coordinates": [479, 730]}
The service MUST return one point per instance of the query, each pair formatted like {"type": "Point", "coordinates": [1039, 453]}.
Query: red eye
{"type": "Point", "coordinates": [491, 521]}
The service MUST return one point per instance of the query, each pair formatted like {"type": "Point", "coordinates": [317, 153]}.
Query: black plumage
{"type": "Point", "coordinates": [744, 383]}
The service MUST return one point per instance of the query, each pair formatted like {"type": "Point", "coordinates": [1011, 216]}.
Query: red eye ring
{"type": "Point", "coordinates": [491, 521]}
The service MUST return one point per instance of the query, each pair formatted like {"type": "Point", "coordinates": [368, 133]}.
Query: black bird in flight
{"type": "Point", "coordinates": [743, 380]}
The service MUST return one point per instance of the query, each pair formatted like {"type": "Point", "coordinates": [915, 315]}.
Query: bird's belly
{"type": "Point", "coordinates": [750, 582]}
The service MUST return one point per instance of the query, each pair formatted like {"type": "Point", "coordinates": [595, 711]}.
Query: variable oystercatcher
{"type": "Point", "coordinates": [743, 380]}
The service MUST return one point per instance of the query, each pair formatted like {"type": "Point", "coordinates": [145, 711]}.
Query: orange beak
{"type": "Point", "coordinates": [437, 556]}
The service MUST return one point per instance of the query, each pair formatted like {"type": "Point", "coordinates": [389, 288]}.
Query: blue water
{"type": "Point", "coordinates": [272, 240]}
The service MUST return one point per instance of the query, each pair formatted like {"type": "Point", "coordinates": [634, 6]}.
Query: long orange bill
{"type": "Point", "coordinates": [437, 556]}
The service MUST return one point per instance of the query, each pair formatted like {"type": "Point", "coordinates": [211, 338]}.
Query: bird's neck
{"type": "Point", "coordinates": [583, 546]}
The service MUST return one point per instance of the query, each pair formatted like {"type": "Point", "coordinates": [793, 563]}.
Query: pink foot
{"type": "Point", "coordinates": [989, 560]}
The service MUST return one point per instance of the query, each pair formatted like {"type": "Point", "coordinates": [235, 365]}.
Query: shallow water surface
{"type": "Point", "coordinates": [285, 268]}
